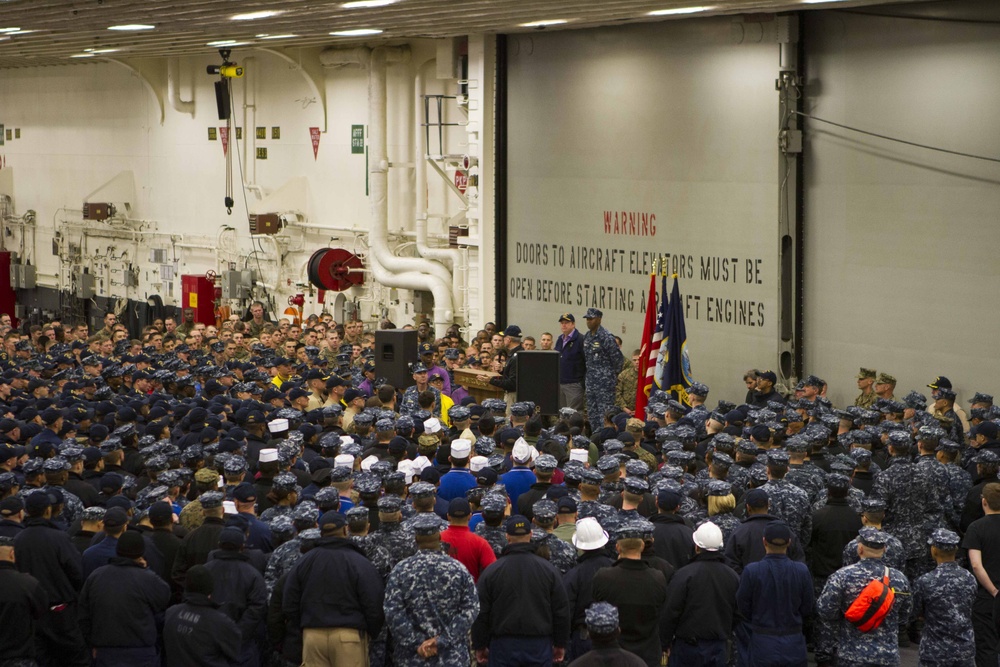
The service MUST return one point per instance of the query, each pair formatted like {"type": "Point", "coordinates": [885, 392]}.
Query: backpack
{"type": "Point", "coordinates": [872, 605]}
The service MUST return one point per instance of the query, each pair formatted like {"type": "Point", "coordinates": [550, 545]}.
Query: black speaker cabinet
{"type": "Point", "coordinates": [538, 379]}
{"type": "Point", "coordinates": [395, 350]}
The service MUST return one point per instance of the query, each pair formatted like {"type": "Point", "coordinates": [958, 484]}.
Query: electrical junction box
{"type": "Point", "coordinates": [237, 284]}
{"type": "Point", "coordinates": [86, 286]}
{"type": "Point", "coordinates": [28, 274]}
{"type": "Point", "coordinates": [265, 223]}
{"type": "Point", "coordinates": [97, 211]}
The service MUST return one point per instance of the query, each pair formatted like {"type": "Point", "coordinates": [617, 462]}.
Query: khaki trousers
{"type": "Point", "coordinates": [334, 647]}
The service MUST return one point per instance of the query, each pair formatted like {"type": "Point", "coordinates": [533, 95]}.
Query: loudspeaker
{"type": "Point", "coordinates": [222, 101]}
{"type": "Point", "coordinates": [538, 379]}
{"type": "Point", "coordinates": [395, 350]}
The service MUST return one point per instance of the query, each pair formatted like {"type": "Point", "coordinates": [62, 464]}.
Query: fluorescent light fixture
{"type": "Point", "coordinates": [543, 23]}
{"type": "Point", "coordinates": [20, 32]}
{"type": "Point", "coordinates": [96, 51]}
{"type": "Point", "coordinates": [275, 36]}
{"type": "Point", "coordinates": [222, 42]}
{"type": "Point", "coordinates": [253, 16]}
{"type": "Point", "coordinates": [10, 30]}
{"type": "Point", "coordinates": [82, 55]}
{"type": "Point", "coordinates": [680, 11]}
{"type": "Point", "coordinates": [131, 27]}
{"type": "Point", "coordinates": [357, 32]}
{"type": "Point", "coordinates": [364, 4]}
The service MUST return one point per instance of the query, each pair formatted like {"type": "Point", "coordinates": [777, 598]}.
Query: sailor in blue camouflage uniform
{"type": "Point", "coordinates": [604, 362]}
{"type": "Point", "coordinates": [493, 506]}
{"type": "Point", "coordinates": [785, 500]}
{"type": "Point", "coordinates": [281, 560]}
{"type": "Point", "coordinates": [561, 554]}
{"type": "Point", "coordinates": [72, 509]}
{"type": "Point", "coordinates": [911, 505]}
{"type": "Point", "coordinates": [878, 647]}
{"type": "Point", "coordinates": [959, 479]}
{"type": "Point", "coordinates": [943, 599]}
{"type": "Point", "coordinates": [809, 478]}
{"type": "Point", "coordinates": [430, 604]}
{"type": "Point", "coordinates": [606, 515]}
{"type": "Point", "coordinates": [855, 496]}
{"type": "Point", "coordinates": [287, 482]}
{"type": "Point", "coordinates": [942, 512]}
{"type": "Point", "coordinates": [726, 521]}
{"type": "Point", "coordinates": [872, 515]}
{"type": "Point", "coordinates": [368, 543]}
{"type": "Point", "coordinates": [390, 532]}
{"type": "Point", "coordinates": [409, 404]}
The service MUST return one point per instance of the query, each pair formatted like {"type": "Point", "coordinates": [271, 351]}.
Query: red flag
{"type": "Point", "coordinates": [647, 353]}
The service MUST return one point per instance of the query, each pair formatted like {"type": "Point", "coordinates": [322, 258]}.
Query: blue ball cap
{"type": "Point", "coordinates": [944, 539]}
{"type": "Point", "coordinates": [518, 525]}
{"type": "Point", "coordinates": [777, 533]}
{"type": "Point", "coordinates": [592, 313]}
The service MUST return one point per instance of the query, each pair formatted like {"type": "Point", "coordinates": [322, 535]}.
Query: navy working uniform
{"type": "Point", "coordinates": [604, 362]}
{"type": "Point", "coordinates": [943, 598]}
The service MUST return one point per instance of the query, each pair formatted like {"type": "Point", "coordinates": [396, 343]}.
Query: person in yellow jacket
{"type": "Point", "coordinates": [436, 381]}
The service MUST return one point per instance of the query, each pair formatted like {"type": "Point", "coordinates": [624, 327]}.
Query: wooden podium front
{"type": "Point", "coordinates": [477, 383]}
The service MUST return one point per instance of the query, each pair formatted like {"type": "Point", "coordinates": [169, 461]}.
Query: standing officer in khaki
{"type": "Point", "coordinates": [866, 382]}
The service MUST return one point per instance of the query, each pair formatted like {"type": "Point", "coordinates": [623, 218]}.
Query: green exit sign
{"type": "Point", "coordinates": [357, 139]}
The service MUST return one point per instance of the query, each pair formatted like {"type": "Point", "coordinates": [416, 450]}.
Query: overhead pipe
{"type": "Point", "coordinates": [452, 258]}
{"type": "Point", "coordinates": [173, 91]}
{"type": "Point", "coordinates": [401, 272]}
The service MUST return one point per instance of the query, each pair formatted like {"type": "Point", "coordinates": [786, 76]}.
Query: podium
{"type": "Point", "coordinates": [477, 383]}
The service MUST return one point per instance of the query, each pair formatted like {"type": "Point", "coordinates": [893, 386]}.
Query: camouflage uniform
{"type": "Point", "coordinates": [866, 401]}
{"type": "Point", "coordinates": [192, 516]}
{"type": "Point", "coordinates": [790, 504]}
{"type": "Point", "coordinates": [943, 597]}
{"type": "Point", "coordinates": [561, 554]}
{"type": "Point", "coordinates": [496, 536]}
{"type": "Point", "coordinates": [273, 512]}
{"type": "Point", "coordinates": [408, 523]}
{"type": "Point", "coordinates": [280, 561]}
{"type": "Point", "coordinates": [895, 555]}
{"type": "Point", "coordinates": [806, 478]}
{"type": "Point", "coordinates": [376, 553]}
{"type": "Point", "coordinates": [942, 512]}
{"type": "Point", "coordinates": [856, 648]}
{"type": "Point", "coordinates": [959, 484]}
{"type": "Point", "coordinates": [726, 521]}
{"type": "Point", "coordinates": [604, 362]}
{"type": "Point", "coordinates": [409, 405]}
{"type": "Point", "coordinates": [911, 508]}
{"type": "Point", "coordinates": [73, 508]}
{"type": "Point", "coordinates": [429, 595]}
{"type": "Point", "coordinates": [606, 515]}
{"type": "Point", "coordinates": [628, 381]}
{"type": "Point", "coordinates": [396, 540]}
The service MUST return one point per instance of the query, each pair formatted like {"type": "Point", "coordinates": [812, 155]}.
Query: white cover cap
{"type": "Point", "coordinates": [432, 425]}
{"type": "Point", "coordinates": [229, 507]}
{"type": "Point", "coordinates": [460, 448]}
{"type": "Point", "coordinates": [477, 463]}
{"type": "Point", "coordinates": [419, 464]}
{"type": "Point", "coordinates": [279, 425]}
{"type": "Point", "coordinates": [581, 455]}
{"type": "Point", "coordinates": [343, 461]}
{"type": "Point", "coordinates": [268, 455]}
{"type": "Point", "coordinates": [406, 467]}
{"type": "Point", "coordinates": [366, 464]}
{"type": "Point", "coordinates": [521, 452]}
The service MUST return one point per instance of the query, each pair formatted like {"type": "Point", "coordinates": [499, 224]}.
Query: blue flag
{"type": "Point", "coordinates": [676, 363]}
{"type": "Point", "coordinates": [659, 374]}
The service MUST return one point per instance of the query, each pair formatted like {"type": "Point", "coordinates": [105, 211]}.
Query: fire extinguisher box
{"type": "Point", "coordinates": [198, 294]}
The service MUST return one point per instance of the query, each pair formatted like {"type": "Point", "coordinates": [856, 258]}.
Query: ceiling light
{"type": "Point", "coordinates": [20, 32]}
{"type": "Point", "coordinates": [679, 11]}
{"type": "Point", "coordinates": [253, 16]}
{"type": "Point", "coordinates": [357, 32]}
{"type": "Point", "coordinates": [363, 4]}
{"type": "Point", "coordinates": [275, 36]}
{"type": "Point", "coordinates": [82, 55]}
{"type": "Point", "coordinates": [222, 42]}
{"type": "Point", "coordinates": [542, 24]}
{"type": "Point", "coordinates": [10, 29]}
{"type": "Point", "coordinates": [132, 26]}
{"type": "Point", "coordinates": [102, 50]}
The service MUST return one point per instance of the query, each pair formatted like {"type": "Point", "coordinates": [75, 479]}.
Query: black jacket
{"type": "Point", "coordinates": [122, 605]}
{"type": "Point", "coordinates": [507, 380]}
{"type": "Point", "coordinates": [521, 594]}
{"type": "Point", "coordinates": [197, 634]}
{"type": "Point", "coordinates": [335, 586]}
{"type": "Point", "coordinates": [168, 545]}
{"type": "Point", "coordinates": [196, 546]}
{"type": "Point", "coordinates": [82, 489]}
{"type": "Point", "coordinates": [672, 539]}
{"type": "Point", "coordinates": [834, 526]}
{"type": "Point", "coordinates": [239, 589]}
{"type": "Point", "coordinates": [746, 544]}
{"type": "Point", "coordinates": [22, 602]}
{"type": "Point", "coordinates": [639, 591]}
{"type": "Point", "coordinates": [10, 528]}
{"type": "Point", "coordinates": [579, 582]}
{"type": "Point", "coordinates": [701, 600]}
{"type": "Point", "coordinates": [46, 553]}
{"type": "Point", "coordinates": [530, 497]}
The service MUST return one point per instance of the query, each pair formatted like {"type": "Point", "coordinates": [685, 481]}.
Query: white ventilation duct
{"type": "Point", "coordinates": [402, 272]}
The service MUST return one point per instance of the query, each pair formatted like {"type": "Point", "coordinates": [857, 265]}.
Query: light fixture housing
{"type": "Point", "coordinates": [356, 32]}
{"type": "Point", "coordinates": [681, 11]}
{"type": "Point", "coordinates": [253, 16]}
{"type": "Point", "coordinates": [126, 27]}
{"type": "Point", "coordinates": [544, 23]}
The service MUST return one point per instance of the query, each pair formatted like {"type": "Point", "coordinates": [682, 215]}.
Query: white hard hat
{"type": "Point", "coordinates": [708, 537]}
{"type": "Point", "coordinates": [589, 535]}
